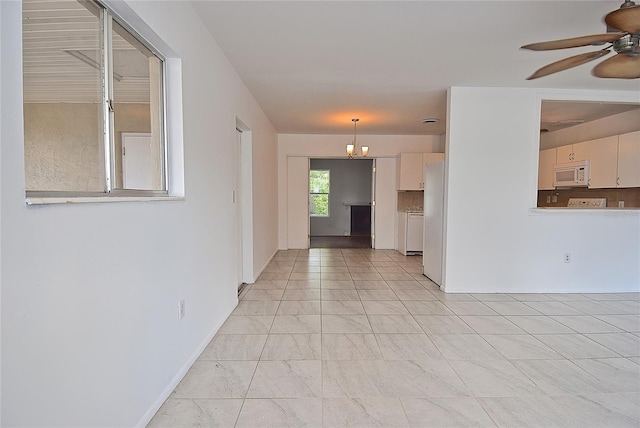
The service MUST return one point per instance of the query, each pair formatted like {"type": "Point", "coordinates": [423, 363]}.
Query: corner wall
{"type": "Point", "coordinates": [90, 335]}
{"type": "Point", "coordinates": [495, 241]}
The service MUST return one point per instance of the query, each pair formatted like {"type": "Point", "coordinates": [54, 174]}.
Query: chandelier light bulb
{"type": "Point", "coordinates": [352, 149]}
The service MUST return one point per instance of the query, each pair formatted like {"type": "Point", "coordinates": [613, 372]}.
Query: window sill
{"type": "Point", "coordinates": [51, 200]}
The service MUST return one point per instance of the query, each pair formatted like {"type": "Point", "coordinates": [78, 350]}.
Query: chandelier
{"type": "Point", "coordinates": [352, 149]}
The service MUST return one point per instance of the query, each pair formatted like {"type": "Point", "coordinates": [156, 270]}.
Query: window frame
{"type": "Point", "coordinates": [106, 16]}
{"type": "Point", "coordinates": [328, 193]}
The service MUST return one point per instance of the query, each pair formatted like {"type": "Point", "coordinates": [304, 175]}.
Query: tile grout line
{"type": "Point", "coordinates": [443, 302]}
{"type": "Point", "coordinates": [244, 399]}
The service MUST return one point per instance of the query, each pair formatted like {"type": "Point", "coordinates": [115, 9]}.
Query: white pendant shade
{"type": "Point", "coordinates": [352, 149]}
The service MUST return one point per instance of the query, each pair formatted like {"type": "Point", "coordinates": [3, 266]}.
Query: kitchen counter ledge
{"type": "Point", "coordinates": [603, 212]}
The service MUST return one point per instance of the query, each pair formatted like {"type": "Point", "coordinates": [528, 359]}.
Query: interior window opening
{"type": "Point", "coordinates": [93, 103]}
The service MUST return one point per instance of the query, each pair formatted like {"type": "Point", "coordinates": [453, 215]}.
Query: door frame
{"type": "Point", "coordinates": [373, 204]}
{"type": "Point", "coordinates": [372, 196]}
{"type": "Point", "coordinates": [245, 193]}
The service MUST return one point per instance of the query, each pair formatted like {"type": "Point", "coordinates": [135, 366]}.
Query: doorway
{"type": "Point", "coordinates": [340, 203]}
{"type": "Point", "coordinates": [138, 167]}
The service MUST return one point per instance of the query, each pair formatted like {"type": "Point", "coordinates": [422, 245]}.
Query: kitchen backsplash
{"type": "Point", "coordinates": [630, 196]}
{"type": "Point", "coordinates": [411, 201]}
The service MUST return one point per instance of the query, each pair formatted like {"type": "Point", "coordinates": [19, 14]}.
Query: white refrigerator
{"type": "Point", "coordinates": [432, 254]}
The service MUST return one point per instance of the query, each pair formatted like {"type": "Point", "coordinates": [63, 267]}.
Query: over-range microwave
{"type": "Point", "coordinates": [571, 174]}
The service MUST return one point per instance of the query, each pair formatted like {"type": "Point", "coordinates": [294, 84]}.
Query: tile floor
{"type": "Point", "coordinates": [359, 338]}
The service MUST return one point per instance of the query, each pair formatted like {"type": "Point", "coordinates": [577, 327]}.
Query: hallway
{"type": "Point", "coordinates": [358, 337]}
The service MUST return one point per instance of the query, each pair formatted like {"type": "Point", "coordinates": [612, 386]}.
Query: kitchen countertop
{"type": "Point", "coordinates": [606, 212]}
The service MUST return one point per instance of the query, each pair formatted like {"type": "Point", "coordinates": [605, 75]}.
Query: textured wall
{"type": "Point", "coordinates": [63, 149]}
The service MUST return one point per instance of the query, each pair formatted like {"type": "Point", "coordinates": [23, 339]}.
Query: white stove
{"type": "Point", "coordinates": [587, 203]}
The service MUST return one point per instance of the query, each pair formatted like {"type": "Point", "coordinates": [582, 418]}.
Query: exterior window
{"type": "Point", "coordinates": [319, 185]}
{"type": "Point", "coordinates": [93, 103]}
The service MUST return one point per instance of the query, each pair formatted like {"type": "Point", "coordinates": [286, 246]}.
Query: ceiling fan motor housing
{"type": "Point", "coordinates": [629, 44]}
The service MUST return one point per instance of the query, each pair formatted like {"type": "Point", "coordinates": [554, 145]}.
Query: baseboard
{"type": "Point", "coordinates": [264, 266]}
{"type": "Point", "coordinates": [146, 418]}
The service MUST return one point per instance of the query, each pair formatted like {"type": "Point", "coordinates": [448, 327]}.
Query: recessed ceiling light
{"type": "Point", "coordinates": [430, 120]}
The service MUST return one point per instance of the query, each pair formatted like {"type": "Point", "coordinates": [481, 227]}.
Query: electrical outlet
{"type": "Point", "coordinates": [549, 199]}
{"type": "Point", "coordinates": [180, 309]}
{"type": "Point", "coordinates": [567, 257]}
{"type": "Point", "coordinates": [554, 198]}
{"type": "Point", "coordinates": [620, 204]}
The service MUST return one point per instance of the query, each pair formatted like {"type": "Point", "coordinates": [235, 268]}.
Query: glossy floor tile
{"type": "Point", "coordinates": [358, 338]}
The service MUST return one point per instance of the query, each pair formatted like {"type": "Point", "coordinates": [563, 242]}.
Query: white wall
{"type": "Point", "coordinates": [385, 222]}
{"type": "Point", "coordinates": [350, 185]}
{"type": "Point", "coordinates": [90, 335]}
{"type": "Point", "coordinates": [298, 202]}
{"type": "Point", "coordinates": [327, 146]}
{"type": "Point", "coordinates": [495, 241]}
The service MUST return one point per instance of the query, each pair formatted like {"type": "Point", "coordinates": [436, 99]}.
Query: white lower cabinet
{"type": "Point", "coordinates": [410, 228]}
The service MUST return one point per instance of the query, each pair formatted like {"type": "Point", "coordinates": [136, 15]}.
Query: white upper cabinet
{"type": "Point", "coordinates": [564, 153]}
{"type": "Point", "coordinates": [410, 169]}
{"type": "Point", "coordinates": [603, 165]}
{"type": "Point", "coordinates": [572, 153]}
{"type": "Point", "coordinates": [580, 152]}
{"type": "Point", "coordinates": [629, 160]}
{"type": "Point", "coordinates": [614, 161]}
{"type": "Point", "coordinates": [545, 169]}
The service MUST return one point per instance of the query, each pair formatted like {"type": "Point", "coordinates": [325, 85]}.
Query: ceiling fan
{"type": "Point", "coordinates": [623, 26]}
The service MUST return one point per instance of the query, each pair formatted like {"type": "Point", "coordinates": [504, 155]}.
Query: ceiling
{"type": "Point", "coordinates": [314, 65]}
{"type": "Point", "coordinates": [558, 115]}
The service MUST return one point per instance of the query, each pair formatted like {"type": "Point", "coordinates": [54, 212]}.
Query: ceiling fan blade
{"type": "Point", "coordinates": [625, 19]}
{"type": "Point", "coordinates": [567, 63]}
{"type": "Point", "coordinates": [621, 66]}
{"type": "Point", "coordinates": [593, 39]}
